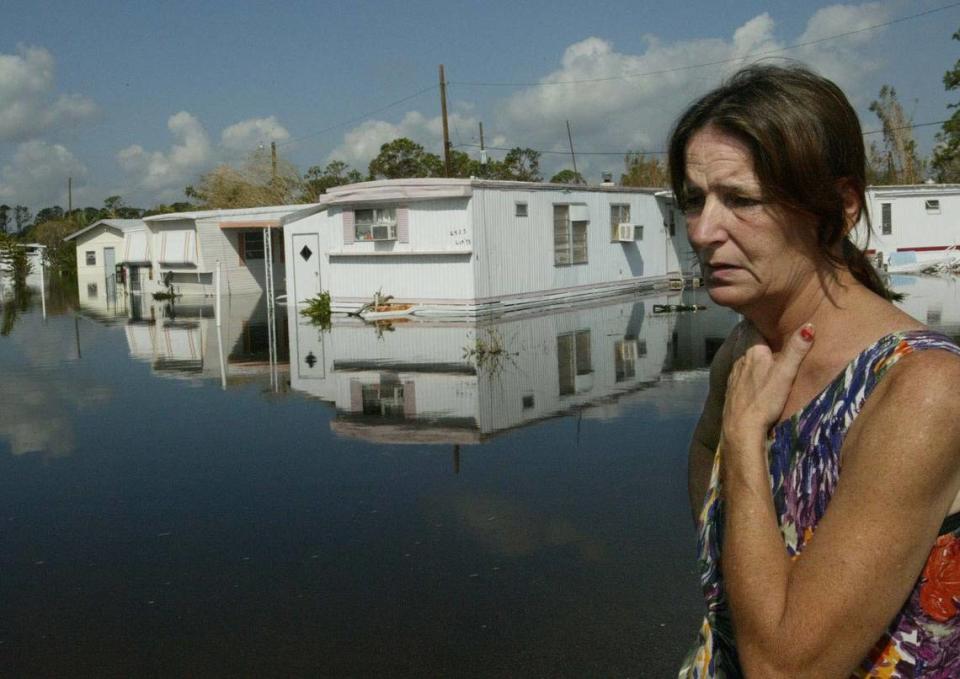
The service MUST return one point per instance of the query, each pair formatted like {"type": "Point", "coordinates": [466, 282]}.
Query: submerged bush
{"type": "Point", "coordinates": [318, 310]}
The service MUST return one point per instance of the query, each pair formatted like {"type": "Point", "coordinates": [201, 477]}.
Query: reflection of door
{"type": "Point", "coordinates": [309, 354]}
{"type": "Point", "coordinates": [134, 278]}
{"type": "Point", "coordinates": [306, 266]}
{"type": "Point", "coordinates": [110, 270]}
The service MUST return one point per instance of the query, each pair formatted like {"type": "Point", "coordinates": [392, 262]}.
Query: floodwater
{"type": "Point", "coordinates": [437, 498]}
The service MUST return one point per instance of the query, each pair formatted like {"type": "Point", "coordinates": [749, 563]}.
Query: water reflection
{"type": "Point", "coordinates": [458, 382]}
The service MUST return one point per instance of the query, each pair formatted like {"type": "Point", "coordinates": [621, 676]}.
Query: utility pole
{"type": "Point", "coordinates": [576, 174]}
{"type": "Point", "coordinates": [446, 131]}
{"type": "Point", "coordinates": [69, 197]}
{"type": "Point", "coordinates": [483, 154]}
{"type": "Point", "coordinates": [273, 161]}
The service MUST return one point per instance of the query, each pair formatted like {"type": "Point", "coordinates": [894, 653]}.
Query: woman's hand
{"type": "Point", "coordinates": [759, 384]}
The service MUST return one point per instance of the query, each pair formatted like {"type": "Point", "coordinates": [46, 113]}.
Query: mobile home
{"type": "Point", "coordinates": [479, 246]}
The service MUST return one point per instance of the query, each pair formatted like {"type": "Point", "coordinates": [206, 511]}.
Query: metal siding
{"type": "Point", "coordinates": [517, 252]}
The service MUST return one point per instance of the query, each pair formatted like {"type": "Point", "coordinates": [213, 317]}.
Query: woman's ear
{"type": "Point", "coordinates": [852, 204]}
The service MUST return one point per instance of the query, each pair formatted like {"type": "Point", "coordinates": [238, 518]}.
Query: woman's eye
{"type": "Point", "coordinates": [693, 204]}
{"type": "Point", "coordinates": [743, 201]}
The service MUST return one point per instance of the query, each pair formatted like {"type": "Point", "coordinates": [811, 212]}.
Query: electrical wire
{"type": "Point", "coordinates": [643, 74]}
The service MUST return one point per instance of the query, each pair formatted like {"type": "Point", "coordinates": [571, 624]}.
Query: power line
{"type": "Point", "coordinates": [663, 153]}
{"type": "Point", "coordinates": [362, 116]}
{"type": "Point", "coordinates": [642, 74]}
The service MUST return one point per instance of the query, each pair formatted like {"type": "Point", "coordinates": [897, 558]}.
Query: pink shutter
{"type": "Point", "coordinates": [409, 399]}
{"type": "Point", "coordinates": [356, 397]}
{"type": "Point", "coordinates": [403, 224]}
{"type": "Point", "coordinates": [349, 230]}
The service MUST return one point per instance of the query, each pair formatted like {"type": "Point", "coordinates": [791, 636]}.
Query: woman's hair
{"type": "Point", "coordinates": [807, 148]}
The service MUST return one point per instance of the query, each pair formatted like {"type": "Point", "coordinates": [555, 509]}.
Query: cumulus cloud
{"type": "Point", "coordinates": [38, 171]}
{"type": "Point", "coordinates": [618, 101]}
{"type": "Point", "coordinates": [244, 136]}
{"type": "Point", "coordinates": [611, 112]}
{"type": "Point", "coordinates": [158, 170]}
{"type": "Point", "coordinates": [361, 144]}
{"type": "Point", "coordinates": [29, 105]}
{"type": "Point", "coordinates": [161, 176]}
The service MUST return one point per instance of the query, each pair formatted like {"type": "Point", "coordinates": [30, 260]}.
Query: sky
{"type": "Point", "coordinates": [140, 99]}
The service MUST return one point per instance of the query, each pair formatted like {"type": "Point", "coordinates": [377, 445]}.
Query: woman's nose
{"type": "Point", "coordinates": [706, 227]}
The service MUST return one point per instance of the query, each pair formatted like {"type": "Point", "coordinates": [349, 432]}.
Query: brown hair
{"type": "Point", "coordinates": [806, 141]}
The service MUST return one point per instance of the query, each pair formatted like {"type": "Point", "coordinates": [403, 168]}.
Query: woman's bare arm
{"type": "Point", "coordinates": [819, 615]}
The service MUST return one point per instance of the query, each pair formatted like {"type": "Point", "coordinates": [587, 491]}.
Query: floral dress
{"type": "Point", "coordinates": [923, 640]}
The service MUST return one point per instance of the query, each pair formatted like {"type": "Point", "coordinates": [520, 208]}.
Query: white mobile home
{"type": "Point", "coordinates": [186, 247]}
{"type": "Point", "coordinates": [477, 246]}
{"type": "Point", "coordinates": [103, 249]}
{"type": "Point", "coordinates": [920, 222]}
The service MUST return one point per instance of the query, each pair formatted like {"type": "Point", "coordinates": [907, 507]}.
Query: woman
{"type": "Point", "coordinates": [827, 457]}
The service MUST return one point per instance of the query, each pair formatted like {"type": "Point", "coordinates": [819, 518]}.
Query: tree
{"type": "Point", "coordinates": [946, 156]}
{"type": "Point", "coordinates": [644, 171]}
{"type": "Point", "coordinates": [48, 213]}
{"type": "Point", "coordinates": [520, 164]}
{"type": "Point", "coordinates": [567, 176]}
{"type": "Point", "coordinates": [317, 180]}
{"type": "Point", "coordinates": [402, 158]}
{"type": "Point", "coordinates": [896, 161]}
{"type": "Point", "coordinates": [4, 218]}
{"type": "Point", "coordinates": [61, 255]}
{"type": "Point", "coordinates": [251, 185]}
{"type": "Point", "coordinates": [111, 205]}
{"type": "Point", "coordinates": [21, 216]}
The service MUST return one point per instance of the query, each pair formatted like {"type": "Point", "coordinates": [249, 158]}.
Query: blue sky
{"type": "Point", "coordinates": [139, 99]}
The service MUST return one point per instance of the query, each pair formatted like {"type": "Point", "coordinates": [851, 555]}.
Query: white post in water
{"type": "Point", "coordinates": [217, 291]}
{"type": "Point", "coordinates": [43, 287]}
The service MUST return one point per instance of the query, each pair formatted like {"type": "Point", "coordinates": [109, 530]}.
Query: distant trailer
{"type": "Point", "coordinates": [913, 226]}
{"type": "Point", "coordinates": [469, 246]}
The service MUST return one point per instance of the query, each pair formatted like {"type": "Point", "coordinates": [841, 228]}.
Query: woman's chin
{"type": "Point", "coordinates": [727, 295]}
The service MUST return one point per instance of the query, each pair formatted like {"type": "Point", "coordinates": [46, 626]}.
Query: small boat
{"type": "Point", "coordinates": [386, 311]}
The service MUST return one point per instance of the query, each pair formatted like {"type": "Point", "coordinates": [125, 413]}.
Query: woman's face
{"type": "Point", "coordinates": [754, 255]}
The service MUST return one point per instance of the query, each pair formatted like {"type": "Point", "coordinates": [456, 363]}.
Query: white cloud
{"type": "Point", "coordinates": [28, 104]}
{"type": "Point", "coordinates": [161, 176]}
{"type": "Point", "coordinates": [243, 137]}
{"type": "Point", "coordinates": [617, 101]}
{"type": "Point", "coordinates": [161, 172]}
{"type": "Point", "coordinates": [37, 174]}
{"type": "Point", "coordinates": [361, 144]}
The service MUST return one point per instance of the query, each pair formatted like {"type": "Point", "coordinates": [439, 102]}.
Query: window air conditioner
{"type": "Point", "coordinates": [626, 233]}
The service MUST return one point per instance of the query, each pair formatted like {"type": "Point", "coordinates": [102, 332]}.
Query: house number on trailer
{"type": "Point", "coordinates": [458, 232]}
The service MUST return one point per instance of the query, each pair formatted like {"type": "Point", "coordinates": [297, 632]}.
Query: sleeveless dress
{"type": "Point", "coordinates": [803, 453]}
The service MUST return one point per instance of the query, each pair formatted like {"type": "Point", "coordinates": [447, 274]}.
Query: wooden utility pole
{"type": "Point", "coordinates": [273, 161]}
{"type": "Point", "coordinates": [483, 154]}
{"type": "Point", "coordinates": [69, 197]}
{"type": "Point", "coordinates": [576, 177]}
{"type": "Point", "coordinates": [446, 131]}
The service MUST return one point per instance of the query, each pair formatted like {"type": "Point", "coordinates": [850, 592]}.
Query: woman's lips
{"type": "Point", "coordinates": [721, 272]}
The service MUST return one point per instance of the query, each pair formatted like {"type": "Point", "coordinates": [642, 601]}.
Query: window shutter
{"type": "Point", "coordinates": [349, 230]}
{"type": "Point", "coordinates": [409, 399]}
{"type": "Point", "coordinates": [242, 246]}
{"type": "Point", "coordinates": [403, 224]}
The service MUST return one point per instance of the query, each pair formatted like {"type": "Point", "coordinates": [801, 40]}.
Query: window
{"type": "Point", "coordinates": [521, 209]}
{"type": "Point", "coordinates": [92, 290]}
{"type": "Point", "coordinates": [934, 316]}
{"type": "Point", "coordinates": [91, 258]}
{"type": "Point", "coordinates": [886, 220]}
{"type": "Point", "coordinates": [932, 206]}
{"type": "Point", "coordinates": [569, 236]}
{"type": "Point", "coordinates": [376, 224]}
{"type": "Point", "coordinates": [251, 245]}
{"type": "Point", "coordinates": [573, 360]}
{"type": "Point", "coordinates": [528, 401]}
{"type": "Point", "coordinates": [619, 214]}
{"type": "Point", "coordinates": [625, 359]}
{"type": "Point", "coordinates": [383, 400]}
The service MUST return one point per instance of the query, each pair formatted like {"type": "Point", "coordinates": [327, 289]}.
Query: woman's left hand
{"type": "Point", "coordinates": [759, 384]}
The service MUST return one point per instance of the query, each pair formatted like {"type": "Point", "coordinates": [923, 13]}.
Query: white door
{"type": "Point", "coordinates": [306, 266]}
{"type": "Point", "coordinates": [309, 355]}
